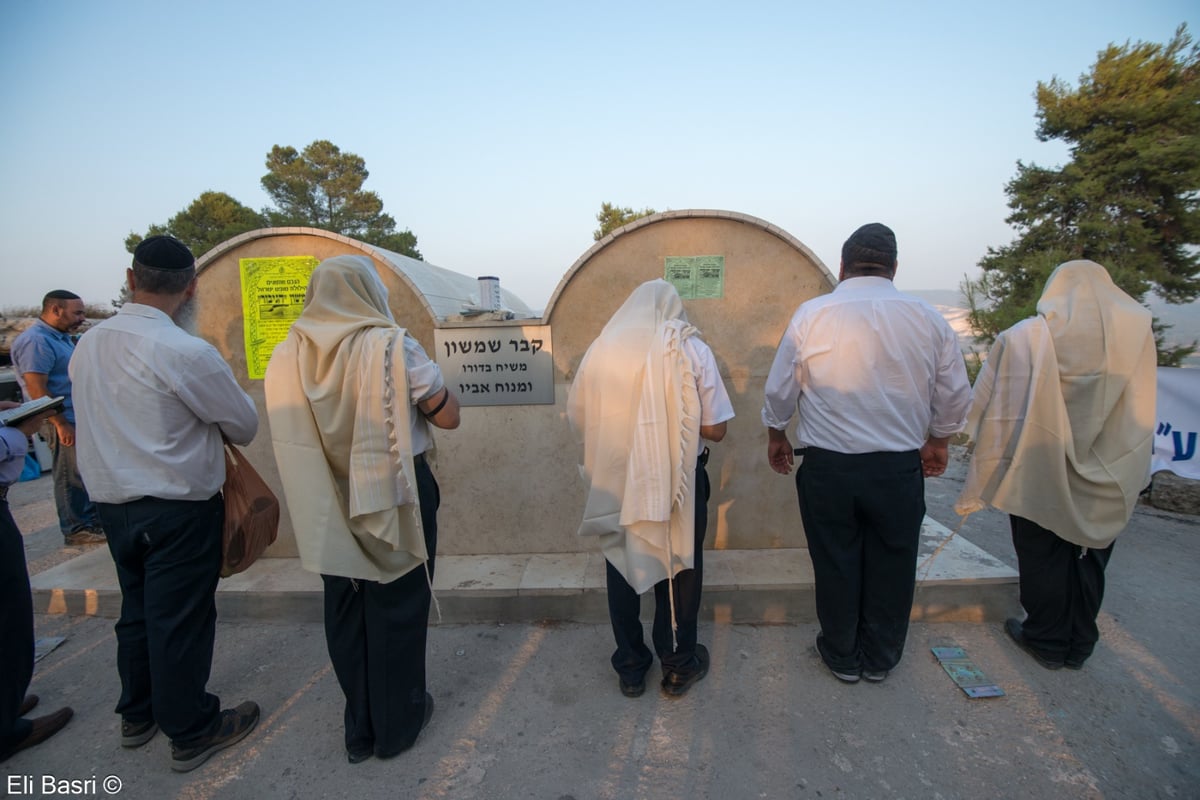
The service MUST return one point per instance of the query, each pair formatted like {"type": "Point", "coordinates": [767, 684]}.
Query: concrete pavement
{"type": "Point", "coordinates": [527, 709]}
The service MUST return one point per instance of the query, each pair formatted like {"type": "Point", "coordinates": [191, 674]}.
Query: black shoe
{"type": "Point", "coordinates": [424, 722]}
{"type": "Point", "coordinates": [1012, 626]}
{"type": "Point", "coordinates": [428, 710]}
{"type": "Point", "coordinates": [361, 754]}
{"type": "Point", "coordinates": [1074, 662]}
{"type": "Point", "coordinates": [676, 684]}
{"type": "Point", "coordinates": [28, 704]}
{"type": "Point", "coordinates": [233, 726]}
{"type": "Point", "coordinates": [43, 728]}
{"type": "Point", "coordinates": [875, 675]}
{"type": "Point", "coordinates": [633, 689]}
{"type": "Point", "coordinates": [136, 734]}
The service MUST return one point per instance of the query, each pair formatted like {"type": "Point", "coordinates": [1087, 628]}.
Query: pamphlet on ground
{"type": "Point", "coordinates": [963, 671]}
{"type": "Point", "coordinates": [15, 416]}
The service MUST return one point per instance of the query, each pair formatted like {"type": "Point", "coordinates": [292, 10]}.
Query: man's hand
{"type": "Point", "coordinates": [66, 431]}
{"type": "Point", "coordinates": [779, 451]}
{"type": "Point", "coordinates": [935, 455]}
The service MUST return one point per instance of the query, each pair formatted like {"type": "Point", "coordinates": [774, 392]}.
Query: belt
{"type": "Point", "coordinates": [703, 458]}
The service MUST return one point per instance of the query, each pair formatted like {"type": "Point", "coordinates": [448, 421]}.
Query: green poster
{"type": "Point", "coordinates": [696, 277]}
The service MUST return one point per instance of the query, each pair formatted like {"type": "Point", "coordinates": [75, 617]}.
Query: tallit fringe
{"type": "Point", "coordinates": [687, 475]}
{"type": "Point", "coordinates": [404, 484]}
{"type": "Point", "coordinates": [688, 378]}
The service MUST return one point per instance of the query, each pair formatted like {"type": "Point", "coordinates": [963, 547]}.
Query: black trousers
{"type": "Point", "coordinates": [168, 559]}
{"type": "Point", "coordinates": [376, 633]}
{"type": "Point", "coordinates": [632, 659]}
{"type": "Point", "coordinates": [1061, 589]}
{"type": "Point", "coordinates": [862, 517]}
{"type": "Point", "coordinates": [16, 631]}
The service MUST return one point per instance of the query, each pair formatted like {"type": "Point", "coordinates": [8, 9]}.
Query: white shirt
{"type": "Point", "coordinates": [869, 370]}
{"type": "Point", "coordinates": [151, 402]}
{"type": "Point", "coordinates": [424, 381]}
{"type": "Point", "coordinates": [715, 406]}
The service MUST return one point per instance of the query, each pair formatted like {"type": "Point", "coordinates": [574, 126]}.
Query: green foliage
{"type": "Point", "coordinates": [612, 217]}
{"type": "Point", "coordinates": [321, 187]}
{"type": "Point", "coordinates": [1129, 198]}
{"type": "Point", "coordinates": [974, 363]}
{"type": "Point", "coordinates": [211, 218]}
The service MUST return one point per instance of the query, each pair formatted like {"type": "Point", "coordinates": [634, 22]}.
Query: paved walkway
{"type": "Point", "coordinates": [529, 709]}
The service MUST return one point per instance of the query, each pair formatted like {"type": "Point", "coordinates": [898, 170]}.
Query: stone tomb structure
{"type": "Point", "coordinates": [511, 492]}
{"type": "Point", "coordinates": [509, 474]}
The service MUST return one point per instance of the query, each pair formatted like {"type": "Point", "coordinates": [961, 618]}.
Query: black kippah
{"type": "Point", "coordinates": [872, 244]}
{"type": "Point", "coordinates": [163, 252]}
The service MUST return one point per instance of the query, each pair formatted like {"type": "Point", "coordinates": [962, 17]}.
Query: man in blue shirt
{"type": "Point", "coordinates": [40, 357]}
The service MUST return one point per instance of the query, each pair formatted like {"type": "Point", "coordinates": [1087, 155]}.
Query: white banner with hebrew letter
{"type": "Point", "coordinates": [1178, 425]}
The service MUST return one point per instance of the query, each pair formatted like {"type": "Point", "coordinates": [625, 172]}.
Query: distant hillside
{"type": "Point", "coordinates": [940, 297]}
{"type": "Point", "coordinates": [1183, 319]}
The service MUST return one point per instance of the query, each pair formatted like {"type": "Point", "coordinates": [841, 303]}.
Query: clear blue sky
{"type": "Point", "coordinates": [494, 130]}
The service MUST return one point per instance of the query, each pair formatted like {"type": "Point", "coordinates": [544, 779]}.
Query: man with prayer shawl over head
{"type": "Point", "coordinates": [350, 398]}
{"type": "Point", "coordinates": [646, 398]}
{"type": "Point", "coordinates": [1063, 424]}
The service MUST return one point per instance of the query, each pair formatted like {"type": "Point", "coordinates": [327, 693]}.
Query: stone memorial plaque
{"type": "Point", "coordinates": [497, 366]}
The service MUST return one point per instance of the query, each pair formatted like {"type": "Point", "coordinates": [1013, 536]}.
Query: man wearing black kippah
{"type": "Point", "coordinates": [879, 385]}
{"type": "Point", "coordinates": [153, 402]}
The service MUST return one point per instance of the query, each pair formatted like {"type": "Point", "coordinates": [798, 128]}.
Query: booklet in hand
{"type": "Point", "coordinates": [15, 416]}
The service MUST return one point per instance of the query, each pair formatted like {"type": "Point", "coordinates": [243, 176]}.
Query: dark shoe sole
{"type": "Point", "coordinates": [1012, 626]}
{"type": "Point", "coordinates": [874, 676]}
{"type": "Point", "coordinates": [191, 762]}
{"type": "Point", "coordinates": [675, 686]}
{"type": "Point", "coordinates": [844, 677]}
{"type": "Point", "coordinates": [138, 736]}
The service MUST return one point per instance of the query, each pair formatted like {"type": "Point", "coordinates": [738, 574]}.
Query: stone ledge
{"type": "Point", "coordinates": [956, 581]}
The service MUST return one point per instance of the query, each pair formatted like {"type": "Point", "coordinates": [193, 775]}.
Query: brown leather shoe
{"type": "Point", "coordinates": [43, 728]}
{"type": "Point", "coordinates": [28, 704]}
{"type": "Point", "coordinates": [85, 536]}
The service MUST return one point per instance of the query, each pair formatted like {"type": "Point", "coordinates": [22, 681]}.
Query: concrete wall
{"type": "Point", "coordinates": [509, 476]}
{"type": "Point", "coordinates": [220, 322]}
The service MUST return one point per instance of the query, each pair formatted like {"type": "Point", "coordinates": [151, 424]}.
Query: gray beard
{"type": "Point", "coordinates": [185, 316]}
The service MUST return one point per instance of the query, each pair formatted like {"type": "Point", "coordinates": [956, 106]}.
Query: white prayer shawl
{"type": "Point", "coordinates": [635, 404]}
{"type": "Point", "coordinates": [1064, 411]}
{"type": "Point", "coordinates": [338, 406]}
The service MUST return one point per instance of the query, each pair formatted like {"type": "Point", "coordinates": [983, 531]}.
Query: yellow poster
{"type": "Point", "coordinates": [272, 297]}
